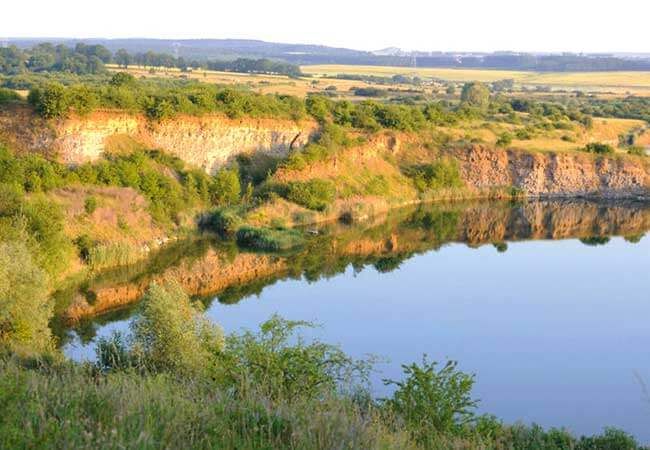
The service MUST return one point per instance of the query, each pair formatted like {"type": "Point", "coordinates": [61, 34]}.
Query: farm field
{"type": "Point", "coordinates": [260, 83]}
{"type": "Point", "coordinates": [618, 82]}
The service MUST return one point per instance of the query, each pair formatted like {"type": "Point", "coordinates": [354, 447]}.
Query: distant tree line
{"type": "Point", "coordinates": [83, 59]}
{"type": "Point", "coordinates": [530, 62]}
{"type": "Point", "coordinates": [242, 65]}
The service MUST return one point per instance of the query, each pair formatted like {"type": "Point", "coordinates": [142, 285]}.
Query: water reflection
{"type": "Point", "coordinates": [207, 267]}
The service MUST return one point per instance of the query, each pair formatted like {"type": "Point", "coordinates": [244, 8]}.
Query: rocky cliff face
{"type": "Point", "coordinates": [554, 174]}
{"type": "Point", "coordinates": [207, 142]}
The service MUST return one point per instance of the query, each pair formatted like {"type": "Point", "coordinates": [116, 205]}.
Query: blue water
{"type": "Point", "coordinates": [557, 332]}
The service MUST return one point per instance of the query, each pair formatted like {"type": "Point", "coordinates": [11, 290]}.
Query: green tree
{"type": "Point", "coordinates": [24, 308]}
{"type": "Point", "coordinates": [123, 58]}
{"type": "Point", "coordinates": [122, 79]}
{"type": "Point", "coordinates": [49, 101]}
{"type": "Point", "coordinates": [475, 95]}
{"type": "Point", "coordinates": [226, 187]}
{"type": "Point", "coordinates": [170, 333]}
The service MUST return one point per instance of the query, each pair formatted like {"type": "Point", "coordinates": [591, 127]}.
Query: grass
{"type": "Point", "coordinates": [268, 239]}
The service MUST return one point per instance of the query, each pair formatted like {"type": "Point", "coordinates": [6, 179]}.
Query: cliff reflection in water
{"type": "Point", "coordinates": [206, 267]}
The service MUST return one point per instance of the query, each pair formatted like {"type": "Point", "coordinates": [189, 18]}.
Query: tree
{"type": "Point", "coordinates": [475, 95]}
{"type": "Point", "coordinates": [226, 187]}
{"type": "Point", "coordinates": [171, 334]}
{"type": "Point", "coordinates": [123, 58]}
{"type": "Point", "coordinates": [122, 79]}
{"type": "Point", "coordinates": [50, 101]}
{"type": "Point", "coordinates": [24, 308]}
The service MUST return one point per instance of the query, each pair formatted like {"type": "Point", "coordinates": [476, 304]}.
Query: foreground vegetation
{"type": "Point", "coordinates": [269, 389]}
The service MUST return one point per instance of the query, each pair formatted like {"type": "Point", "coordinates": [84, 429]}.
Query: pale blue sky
{"type": "Point", "coordinates": [525, 25]}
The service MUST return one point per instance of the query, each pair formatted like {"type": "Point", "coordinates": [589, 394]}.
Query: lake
{"type": "Point", "coordinates": [546, 302]}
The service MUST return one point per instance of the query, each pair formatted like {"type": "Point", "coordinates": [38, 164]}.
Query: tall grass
{"type": "Point", "coordinates": [115, 254]}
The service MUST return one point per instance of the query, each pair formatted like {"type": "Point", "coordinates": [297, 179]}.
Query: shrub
{"type": "Point", "coordinates": [25, 311]}
{"type": "Point", "coordinates": [224, 221]}
{"type": "Point", "coordinates": [170, 334]}
{"type": "Point", "coordinates": [442, 174]}
{"type": "Point", "coordinates": [599, 148]}
{"type": "Point", "coordinates": [314, 194]}
{"type": "Point", "coordinates": [8, 96]}
{"type": "Point", "coordinates": [49, 101]}
{"type": "Point", "coordinates": [114, 254]}
{"type": "Point", "coordinates": [90, 204]}
{"type": "Point", "coordinates": [433, 401]}
{"type": "Point", "coordinates": [504, 140]}
{"type": "Point", "coordinates": [280, 366]}
{"type": "Point", "coordinates": [475, 95]}
{"type": "Point", "coordinates": [226, 187]}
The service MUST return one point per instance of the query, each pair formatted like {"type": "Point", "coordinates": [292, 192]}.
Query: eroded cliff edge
{"type": "Point", "coordinates": [207, 141]}
{"type": "Point", "coordinates": [211, 141]}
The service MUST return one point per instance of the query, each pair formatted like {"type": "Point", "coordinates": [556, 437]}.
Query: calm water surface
{"type": "Point", "coordinates": [556, 331]}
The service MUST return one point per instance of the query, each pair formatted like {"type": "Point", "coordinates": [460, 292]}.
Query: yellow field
{"type": "Point", "coordinates": [263, 84]}
{"type": "Point", "coordinates": [637, 82]}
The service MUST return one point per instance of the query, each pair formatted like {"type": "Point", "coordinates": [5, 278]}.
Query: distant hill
{"type": "Point", "coordinates": [215, 49]}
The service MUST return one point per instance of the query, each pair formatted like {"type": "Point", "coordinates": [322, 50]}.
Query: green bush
{"type": "Point", "coordinates": [599, 148]}
{"type": "Point", "coordinates": [269, 361]}
{"type": "Point", "coordinates": [442, 174]}
{"type": "Point", "coordinates": [25, 310]}
{"type": "Point", "coordinates": [224, 221]}
{"type": "Point", "coordinates": [49, 101]}
{"type": "Point", "coordinates": [171, 334]}
{"type": "Point", "coordinates": [433, 401]}
{"type": "Point", "coordinates": [226, 187]}
{"type": "Point", "coordinates": [504, 140]}
{"type": "Point", "coordinates": [90, 204]}
{"type": "Point", "coordinates": [314, 194]}
{"type": "Point", "coordinates": [8, 96]}
{"type": "Point", "coordinates": [113, 254]}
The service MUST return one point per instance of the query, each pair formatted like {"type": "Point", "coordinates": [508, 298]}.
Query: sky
{"type": "Point", "coordinates": [451, 25]}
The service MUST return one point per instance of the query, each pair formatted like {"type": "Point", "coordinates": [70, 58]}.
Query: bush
{"type": "Point", "coordinates": [223, 221]}
{"type": "Point", "coordinates": [25, 310]}
{"type": "Point", "coordinates": [504, 140]}
{"type": "Point", "coordinates": [475, 95]}
{"type": "Point", "coordinates": [8, 96]}
{"type": "Point", "coordinates": [50, 101]}
{"type": "Point", "coordinates": [442, 174]}
{"type": "Point", "coordinates": [599, 148]}
{"type": "Point", "coordinates": [90, 204]}
{"type": "Point", "coordinates": [433, 401]}
{"type": "Point", "coordinates": [279, 366]}
{"type": "Point", "coordinates": [170, 334]}
{"type": "Point", "coordinates": [314, 194]}
{"type": "Point", "coordinates": [226, 187]}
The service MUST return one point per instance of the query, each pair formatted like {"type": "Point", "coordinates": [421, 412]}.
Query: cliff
{"type": "Point", "coordinates": [208, 141]}
{"type": "Point", "coordinates": [554, 174]}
